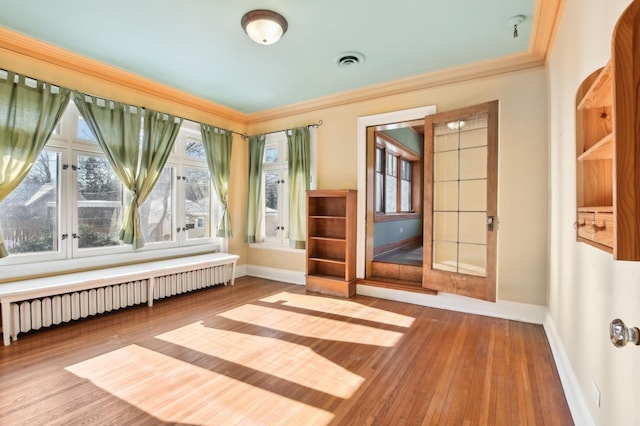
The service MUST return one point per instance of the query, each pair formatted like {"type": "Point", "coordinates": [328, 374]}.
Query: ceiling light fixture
{"type": "Point", "coordinates": [264, 26]}
{"type": "Point", "coordinates": [514, 21]}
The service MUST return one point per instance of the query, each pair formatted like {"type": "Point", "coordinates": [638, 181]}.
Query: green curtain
{"type": "Point", "coordinates": [217, 146]}
{"type": "Point", "coordinates": [159, 136]}
{"type": "Point", "coordinates": [137, 162]}
{"type": "Point", "coordinates": [254, 192]}
{"type": "Point", "coordinates": [299, 182]}
{"type": "Point", "coordinates": [29, 112]}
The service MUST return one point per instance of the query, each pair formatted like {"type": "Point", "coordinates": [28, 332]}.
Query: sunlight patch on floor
{"type": "Point", "coordinates": [345, 308]}
{"type": "Point", "coordinates": [178, 392]}
{"type": "Point", "coordinates": [314, 326]}
{"type": "Point", "coordinates": [289, 361]}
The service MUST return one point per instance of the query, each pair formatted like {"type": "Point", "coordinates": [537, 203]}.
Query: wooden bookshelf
{"type": "Point", "coordinates": [331, 242]}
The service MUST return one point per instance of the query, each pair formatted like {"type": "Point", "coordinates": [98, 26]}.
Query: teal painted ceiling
{"type": "Point", "coordinates": [198, 46]}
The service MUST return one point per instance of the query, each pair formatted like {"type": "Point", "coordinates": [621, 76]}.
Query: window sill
{"type": "Point", "coordinates": [274, 246]}
{"type": "Point", "coordinates": [20, 271]}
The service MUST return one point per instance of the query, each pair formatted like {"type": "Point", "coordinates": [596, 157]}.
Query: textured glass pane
{"type": "Point", "coordinates": [445, 226]}
{"type": "Point", "coordinates": [29, 219]}
{"type": "Point", "coordinates": [445, 196]}
{"type": "Point", "coordinates": [473, 259]}
{"type": "Point", "coordinates": [473, 163]}
{"type": "Point", "coordinates": [445, 256]}
{"type": "Point", "coordinates": [391, 194]}
{"type": "Point", "coordinates": [155, 214]}
{"type": "Point", "coordinates": [473, 195]}
{"type": "Point", "coordinates": [445, 166]}
{"type": "Point", "coordinates": [473, 228]}
{"type": "Point", "coordinates": [271, 203]}
{"type": "Point", "coordinates": [197, 208]}
{"type": "Point", "coordinates": [445, 142]}
{"type": "Point", "coordinates": [379, 192]}
{"type": "Point", "coordinates": [405, 188]}
{"type": "Point", "coordinates": [379, 160]}
{"type": "Point", "coordinates": [193, 148]}
{"type": "Point", "coordinates": [99, 200]}
{"type": "Point", "coordinates": [473, 138]}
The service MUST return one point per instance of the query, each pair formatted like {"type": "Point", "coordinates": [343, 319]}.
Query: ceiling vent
{"type": "Point", "coordinates": [349, 59]}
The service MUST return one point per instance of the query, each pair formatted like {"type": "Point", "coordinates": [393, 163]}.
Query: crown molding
{"type": "Point", "coordinates": [24, 51]}
{"type": "Point", "coordinates": [438, 78]}
{"type": "Point", "coordinates": [545, 20]}
{"type": "Point", "coordinates": [19, 46]}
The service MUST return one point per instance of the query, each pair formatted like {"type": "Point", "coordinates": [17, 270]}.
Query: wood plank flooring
{"type": "Point", "coordinates": [264, 352]}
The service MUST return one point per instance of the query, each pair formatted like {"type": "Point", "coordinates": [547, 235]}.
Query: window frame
{"type": "Point", "coordinates": [389, 147]}
{"type": "Point", "coordinates": [65, 141]}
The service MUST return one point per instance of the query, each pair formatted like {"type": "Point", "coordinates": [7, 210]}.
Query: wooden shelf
{"type": "Point", "coordinates": [596, 209]}
{"type": "Point", "coordinates": [327, 260]}
{"type": "Point", "coordinates": [602, 150]}
{"type": "Point", "coordinates": [600, 94]}
{"type": "Point", "coordinates": [331, 245]}
{"type": "Point", "coordinates": [327, 217]}
{"type": "Point", "coordinates": [607, 143]}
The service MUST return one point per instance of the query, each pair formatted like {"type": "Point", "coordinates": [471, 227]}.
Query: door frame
{"type": "Point", "coordinates": [364, 228]}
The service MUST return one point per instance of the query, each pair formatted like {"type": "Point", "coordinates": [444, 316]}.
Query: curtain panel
{"type": "Point", "coordinates": [138, 162]}
{"type": "Point", "coordinates": [299, 182]}
{"type": "Point", "coordinates": [254, 191]}
{"type": "Point", "coordinates": [29, 112]}
{"type": "Point", "coordinates": [217, 146]}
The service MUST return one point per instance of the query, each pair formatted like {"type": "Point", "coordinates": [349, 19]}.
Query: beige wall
{"type": "Point", "coordinates": [587, 289]}
{"type": "Point", "coordinates": [523, 184]}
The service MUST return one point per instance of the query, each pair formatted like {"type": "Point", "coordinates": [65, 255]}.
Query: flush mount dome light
{"type": "Point", "coordinates": [264, 26]}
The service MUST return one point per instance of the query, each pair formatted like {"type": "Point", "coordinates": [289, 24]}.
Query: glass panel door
{"type": "Point", "coordinates": [461, 157]}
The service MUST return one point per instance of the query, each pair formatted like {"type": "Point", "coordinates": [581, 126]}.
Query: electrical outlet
{"type": "Point", "coordinates": [595, 393]}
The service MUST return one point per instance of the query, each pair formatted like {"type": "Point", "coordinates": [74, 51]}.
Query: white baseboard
{"type": "Point", "coordinates": [572, 391]}
{"type": "Point", "coordinates": [524, 312]}
{"type": "Point", "coordinates": [501, 309]}
{"type": "Point", "coordinates": [291, 277]}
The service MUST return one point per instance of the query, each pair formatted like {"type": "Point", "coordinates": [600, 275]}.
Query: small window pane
{"type": "Point", "coordinates": [99, 200]}
{"type": "Point", "coordinates": [271, 154]}
{"type": "Point", "coordinates": [29, 219]}
{"type": "Point", "coordinates": [83, 131]}
{"type": "Point", "coordinates": [194, 148]}
{"type": "Point", "coordinates": [406, 196]}
{"type": "Point", "coordinates": [155, 214]}
{"type": "Point", "coordinates": [197, 204]}
{"type": "Point", "coordinates": [391, 194]}
{"type": "Point", "coordinates": [271, 203]}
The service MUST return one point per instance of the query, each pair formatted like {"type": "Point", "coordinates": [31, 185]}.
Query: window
{"type": "Point", "coordinates": [72, 203]}
{"type": "Point", "coordinates": [397, 178]}
{"type": "Point", "coordinates": [276, 195]}
{"type": "Point", "coordinates": [272, 227]}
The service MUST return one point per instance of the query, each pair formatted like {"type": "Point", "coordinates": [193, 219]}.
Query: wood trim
{"type": "Point", "coordinates": [385, 141]}
{"type": "Point", "coordinates": [546, 17]}
{"type": "Point", "coordinates": [28, 55]}
{"type": "Point", "coordinates": [453, 75]}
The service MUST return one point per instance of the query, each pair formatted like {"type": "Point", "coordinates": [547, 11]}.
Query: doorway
{"type": "Point", "coordinates": [394, 201]}
{"type": "Point", "coordinates": [366, 238]}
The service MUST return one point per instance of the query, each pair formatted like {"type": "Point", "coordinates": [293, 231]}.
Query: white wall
{"type": "Point", "coordinates": [587, 289]}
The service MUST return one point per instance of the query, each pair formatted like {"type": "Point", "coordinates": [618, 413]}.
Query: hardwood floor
{"type": "Point", "coordinates": [264, 352]}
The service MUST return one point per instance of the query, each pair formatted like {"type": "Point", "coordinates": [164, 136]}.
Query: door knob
{"type": "Point", "coordinates": [620, 334]}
